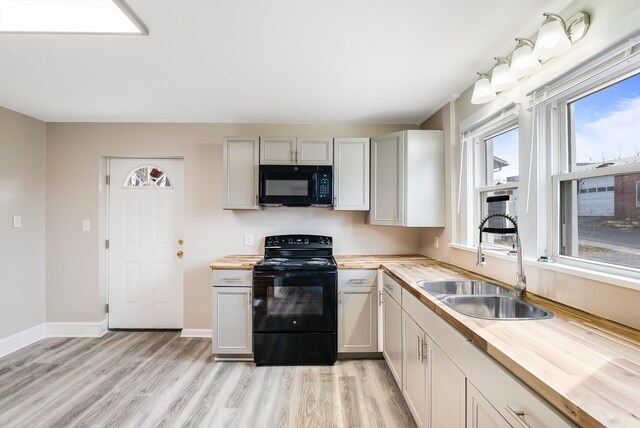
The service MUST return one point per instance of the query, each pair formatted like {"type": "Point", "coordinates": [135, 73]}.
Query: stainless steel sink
{"type": "Point", "coordinates": [496, 307]}
{"type": "Point", "coordinates": [467, 287]}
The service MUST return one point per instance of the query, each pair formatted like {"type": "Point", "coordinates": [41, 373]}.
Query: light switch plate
{"type": "Point", "coordinates": [86, 226]}
{"type": "Point", "coordinates": [248, 239]}
{"type": "Point", "coordinates": [17, 221]}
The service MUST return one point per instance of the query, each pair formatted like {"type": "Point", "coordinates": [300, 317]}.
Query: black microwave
{"type": "Point", "coordinates": [296, 185]}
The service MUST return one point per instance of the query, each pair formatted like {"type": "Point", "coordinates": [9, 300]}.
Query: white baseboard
{"type": "Point", "coordinates": [196, 332]}
{"type": "Point", "coordinates": [21, 339]}
{"type": "Point", "coordinates": [77, 329]}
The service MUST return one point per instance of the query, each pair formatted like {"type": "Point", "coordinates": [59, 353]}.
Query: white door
{"type": "Point", "coordinates": [145, 243]}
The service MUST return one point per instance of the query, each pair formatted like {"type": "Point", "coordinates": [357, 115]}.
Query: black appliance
{"type": "Point", "coordinates": [296, 185]}
{"type": "Point", "coordinates": [295, 312]}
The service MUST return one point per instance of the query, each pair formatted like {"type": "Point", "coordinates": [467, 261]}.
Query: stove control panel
{"type": "Point", "coordinates": [291, 241]}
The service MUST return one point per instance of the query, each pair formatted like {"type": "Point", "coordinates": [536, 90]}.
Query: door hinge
{"type": "Point", "coordinates": [108, 180]}
{"type": "Point", "coordinates": [106, 244]}
{"type": "Point", "coordinates": [106, 308]}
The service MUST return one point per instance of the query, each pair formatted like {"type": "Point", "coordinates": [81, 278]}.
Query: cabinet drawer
{"type": "Point", "coordinates": [392, 287]}
{"type": "Point", "coordinates": [232, 277]}
{"type": "Point", "coordinates": [357, 277]}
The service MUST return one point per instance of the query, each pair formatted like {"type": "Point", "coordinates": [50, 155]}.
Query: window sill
{"type": "Point", "coordinates": [590, 274]}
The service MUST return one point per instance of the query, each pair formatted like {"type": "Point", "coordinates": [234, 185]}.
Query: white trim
{"type": "Point", "coordinates": [488, 252]}
{"type": "Point", "coordinates": [22, 339]}
{"type": "Point", "coordinates": [77, 329]}
{"type": "Point", "coordinates": [590, 274]}
{"type": "Point", "coordinates": [197, 332]}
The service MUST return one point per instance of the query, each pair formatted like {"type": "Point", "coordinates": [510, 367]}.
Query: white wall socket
{"type": "Point", "coordinates": [17, 222]}
{"type": "Point", "coordinates": [436, 241]}
{"type": "Point", "coordinates": [86, 226]}
{"type": "Point", "coordinates": [248, 239]}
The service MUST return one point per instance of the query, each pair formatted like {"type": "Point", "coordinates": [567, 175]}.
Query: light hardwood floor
{"type": "Point", "coordinates": [160, 379]}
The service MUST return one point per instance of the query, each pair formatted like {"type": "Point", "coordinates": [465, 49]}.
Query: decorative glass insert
{"type": "Point", "coordinates": [148, 176]}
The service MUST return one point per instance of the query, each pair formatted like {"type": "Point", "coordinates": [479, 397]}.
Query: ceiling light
{"type": "Point", "coordinates": [68, 16]}
{"type": "Point", "coordinates": [501, 78]}
{"type": "Point", "coordinates": [482, 92]}
{"type": "Point", "coordinates": [552, 38]}
{"type": "Point", "coordinates": [523, 63]}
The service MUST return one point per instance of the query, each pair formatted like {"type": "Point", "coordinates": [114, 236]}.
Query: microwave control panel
{"type": "Point", "coordinates": [324, 186]}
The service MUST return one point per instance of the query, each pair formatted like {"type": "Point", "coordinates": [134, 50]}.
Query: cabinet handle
{"type": "Point", "coordinates": [358, 280]}
{"type": "Point", "coordinates": [340, 298]}
{"type": "Point", "coordinates": [419, 348]}
{"type": "Point", "coordinates": [518, 416]}
{"type": "Point", "coordinates": [422, 353]}
{"type": "Point", "coordinates": [250, 295]}
{"type": "Point", "coordinates": [231, 279]}
{"type": "Point", "coordinates": [380, 297]}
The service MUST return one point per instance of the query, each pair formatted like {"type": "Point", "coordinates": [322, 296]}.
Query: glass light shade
{"type": "Point", "coordinates": [501, 78]}
{"type": "Point", "coordinates": [552, 40]}
{"type": "Point", "coordinates": [482, 92]}
{"type": "Point", "coordinates": [523, 63]}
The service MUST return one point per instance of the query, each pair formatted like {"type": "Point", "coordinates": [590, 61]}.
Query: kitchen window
{"type": "Point", "coordinates": [497, 181]}
{"type": "Point", "coordinates": [597, 219]}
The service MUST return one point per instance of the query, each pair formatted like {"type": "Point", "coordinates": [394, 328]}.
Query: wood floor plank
{"type": "Point", "coordinates": [158, 379]}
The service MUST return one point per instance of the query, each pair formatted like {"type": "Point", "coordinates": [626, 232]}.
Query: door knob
{"type": "Point", "coordinates": [180, 242]}
{"type": "Point", "coordinates": [180, 253]}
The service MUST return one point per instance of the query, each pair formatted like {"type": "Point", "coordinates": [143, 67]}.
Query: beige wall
{"type": "Point", "coordinates": [76, 152]}
{"type": "Point", "coordinates": [22, 251]}
{"type": "Point", "coordinates": [612, 22]}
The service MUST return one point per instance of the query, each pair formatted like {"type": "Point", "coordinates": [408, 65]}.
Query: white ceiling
{"type": "Point", "coordinates": [267, 61]}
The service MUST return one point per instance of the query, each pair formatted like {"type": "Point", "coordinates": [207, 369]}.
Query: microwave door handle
{"type": "Point", "coordinates": [315, 185]}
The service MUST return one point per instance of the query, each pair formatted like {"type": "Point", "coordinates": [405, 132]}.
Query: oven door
{"type": "Point", "coordinates": [288, 185]}
{"type": "Point", "coordinates": [294, 301]}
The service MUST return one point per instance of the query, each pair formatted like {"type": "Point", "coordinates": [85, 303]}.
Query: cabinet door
{"type": "Point", "coordinates": [278, 151]}
{"type": "Point", "coordinates": [387, 185]}
{"type": "Point", "coordinates": [232, 329]}
{"type": "Point", "coordinates": [314, 151]}
{"type": "Point", "coordinates": [415, 382]}
{"type": "Point", "coordinates": [480, 413]}
{"type": "Point", "coordinates": [351, 174]}
{"type": "Point", "coordinates": [448, 390]}
{"type": "Point", "coordinates": [358, 319]}
{"type": "Point", "coordinates": [240, 166]}
{"type": "Point", "coordinates": [392, 336]}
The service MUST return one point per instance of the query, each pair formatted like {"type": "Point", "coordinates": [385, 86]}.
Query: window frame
{"type": "Point", "coordinates": [561, 157]}
{"type": "Point", "coordinates": [506, 121]}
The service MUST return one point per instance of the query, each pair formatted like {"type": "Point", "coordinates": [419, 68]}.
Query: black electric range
{"type": "Point", "coordinates": [295, 302]}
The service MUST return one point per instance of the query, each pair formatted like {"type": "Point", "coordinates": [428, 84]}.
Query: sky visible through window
{"type": "Point", "coordinates": [505, 148]}
{"type": "Point", "coordinates": [607, 123]}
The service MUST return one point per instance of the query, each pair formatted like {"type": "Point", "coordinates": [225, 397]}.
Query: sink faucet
{"type": "Point", "coordinates": [521, 280]}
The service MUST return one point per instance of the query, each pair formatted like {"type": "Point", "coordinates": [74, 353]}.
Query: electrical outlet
{"type": "Point", "coordinates": [86, 226]}
{"type": "Point", "coordinates": [436, 241]}
{"type": "Point", "coordinates": [17, 222]}
{"type": "Point", "coordinates": [248, 239]}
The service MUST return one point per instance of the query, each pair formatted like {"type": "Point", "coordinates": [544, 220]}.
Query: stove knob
{"type": "Point", "coordinates": [306, 241]}
{"type": "Point", "coordinates": [290, 241]}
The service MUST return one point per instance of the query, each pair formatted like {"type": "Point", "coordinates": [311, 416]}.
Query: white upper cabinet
{"type": "Point", "coordinates": [351, 174]}
{"type": "Point", "coordinates": [407, 179]}
{"type": "Point", "coordinates": [278, 151]}
{"type": "Point", "coordinates": [314, 151]}
{"type": "Point", "coordinates": [296, 151]}
{"type": "Point", "coordinates": [240, 168]}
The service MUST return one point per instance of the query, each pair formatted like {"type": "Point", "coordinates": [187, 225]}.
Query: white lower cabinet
{"type": "Point", "coordinates": [232, 315]}
{"type": "Point", "coordinates": [391, 335]}
{"type": "Point", "coordinates": [448, 390]}
{"type": "Point", "coordinates": [480, 413]}
{"type": "Point", "coordinates": [416, 376]}
{"type": "Point", "coordinates": [357, 319]}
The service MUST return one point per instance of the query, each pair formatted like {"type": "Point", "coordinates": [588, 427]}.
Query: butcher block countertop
{"type": "Point", "coordinates": [586, 366]}
{"type": "Point", "coordinates": [236, 262]}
